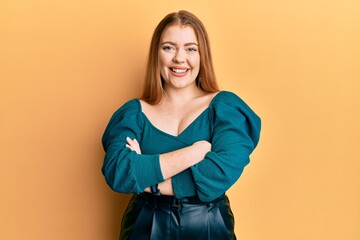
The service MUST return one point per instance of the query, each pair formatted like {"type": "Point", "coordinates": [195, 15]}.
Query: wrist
{"type": "Point", "coordinates": [166, 187]}
{"type": "Point", "coordinates": [199, 150]}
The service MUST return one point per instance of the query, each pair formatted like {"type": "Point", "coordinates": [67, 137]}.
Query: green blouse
{"type": "Point", "coordinates": [231, 127]}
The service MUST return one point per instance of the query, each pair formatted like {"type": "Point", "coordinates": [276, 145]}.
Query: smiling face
{"type": "Point", "coordinates": [179, 57]}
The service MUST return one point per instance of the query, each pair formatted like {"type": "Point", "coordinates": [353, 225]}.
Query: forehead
{"type": "Point", "coordinates": [179, 34]}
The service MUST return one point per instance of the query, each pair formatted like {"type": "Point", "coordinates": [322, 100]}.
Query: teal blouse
{"type": "Point", "coordinates": [228, 123]}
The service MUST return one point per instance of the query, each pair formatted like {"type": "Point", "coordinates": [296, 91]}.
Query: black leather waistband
{"type": "Point", "coordinates": [171, 200]}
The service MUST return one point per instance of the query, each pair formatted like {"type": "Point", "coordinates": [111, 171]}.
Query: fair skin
{"type": "Point", "coordinates": [181, 103]}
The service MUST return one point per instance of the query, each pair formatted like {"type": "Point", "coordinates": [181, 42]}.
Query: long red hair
{"type": "Point", "coordinates": [206, 80]}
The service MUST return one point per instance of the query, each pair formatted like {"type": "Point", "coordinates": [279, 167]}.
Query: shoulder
{"type": "Point", "coordinates": [128, 109]}
{"type": "Point", "coordinates": [126, 115]}
{"type": "Point", "coordinates": [226, 104]}
{"type": "Point", "coordinates": [231, 112]}
{"type": "Point", "coordinates": [228, 99]}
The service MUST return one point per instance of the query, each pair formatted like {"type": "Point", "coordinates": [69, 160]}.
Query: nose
{"type": "Point", "coordinates": [179, 56]}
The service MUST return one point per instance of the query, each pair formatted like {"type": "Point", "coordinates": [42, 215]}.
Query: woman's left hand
{"type": "Point", "coordinates": [133, 145]}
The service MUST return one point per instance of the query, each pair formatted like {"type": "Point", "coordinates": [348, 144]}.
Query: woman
{"type": "Point", "coordinates": [181, 146]}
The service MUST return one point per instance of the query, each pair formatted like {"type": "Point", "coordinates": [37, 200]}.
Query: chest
{"type": "Point", "coordinates": [157, 140]}
{"type": "Point", "coordinates": [174, 121]}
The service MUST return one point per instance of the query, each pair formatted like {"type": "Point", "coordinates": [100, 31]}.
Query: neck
{"type": "Point", "coordinates": [181, 96]}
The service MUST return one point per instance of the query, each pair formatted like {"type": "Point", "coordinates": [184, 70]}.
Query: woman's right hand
{"type": "Point", "coordinates": [201, 148]}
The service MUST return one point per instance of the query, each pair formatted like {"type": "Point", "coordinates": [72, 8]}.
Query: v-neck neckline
{"type": "Point", "coordinates": [182, 132]}
{"type": "Point", "coordinates": [185, 129]}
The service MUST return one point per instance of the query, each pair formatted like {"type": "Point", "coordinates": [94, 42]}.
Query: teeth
{"type": "Point", "coordinates": [178, 70]}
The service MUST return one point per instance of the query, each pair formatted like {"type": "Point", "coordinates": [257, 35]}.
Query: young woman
{"type": "Point", "coordinates": [181, 146]}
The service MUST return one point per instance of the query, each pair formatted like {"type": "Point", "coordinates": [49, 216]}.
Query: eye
{"type": "Point", "coordinates": [192, 49]}
{"type": "Point", "coordinates": [168, 48]}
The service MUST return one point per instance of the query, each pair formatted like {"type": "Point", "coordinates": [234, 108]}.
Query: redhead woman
{"type": "Point", "coordinates": [182, 145]}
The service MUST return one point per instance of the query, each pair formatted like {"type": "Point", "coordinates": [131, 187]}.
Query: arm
{"type": "Point", "coordinates": [124, 170]}
{"type": "Point", "coordinates": [235, 134]}
{"type": "Point", "coordinates": [177, 161]}
{"type": "Point", "coordinates": [174, 162]}
{"type": "Point", "coordinates": [128, 172]}
{"type": "Point", "coordinates": [236, 130]}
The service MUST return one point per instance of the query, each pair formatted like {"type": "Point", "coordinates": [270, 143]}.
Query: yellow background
{"type": "Point", "coordinates": [66, 66]}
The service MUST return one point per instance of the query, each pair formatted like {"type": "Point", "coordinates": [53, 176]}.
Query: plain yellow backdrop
{"type": "Point", "coordinates": [66, 66]}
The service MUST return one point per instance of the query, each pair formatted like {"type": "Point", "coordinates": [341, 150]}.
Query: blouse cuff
{"type": "Point", "coordinates": [147, 170]}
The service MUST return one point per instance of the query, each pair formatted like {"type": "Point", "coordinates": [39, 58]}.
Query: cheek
{"type": "Point", "coordinates": [195, 62]}
{"type": "Point", "coordinates": [161, 58]}
{"type": "Point", "coordinates": [161, 61]}
{"type": "Point", "coordinates": [162, 67]}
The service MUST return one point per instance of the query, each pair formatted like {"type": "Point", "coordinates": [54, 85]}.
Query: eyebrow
{"type": "Point", "coordinates": [174, 44]}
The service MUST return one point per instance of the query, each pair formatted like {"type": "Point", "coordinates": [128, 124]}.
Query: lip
{"type": "Point", "coordinates": [179, 71]}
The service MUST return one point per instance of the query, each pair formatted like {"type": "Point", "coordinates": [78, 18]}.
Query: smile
{"type": "Point", "coordinates": [179, 70]}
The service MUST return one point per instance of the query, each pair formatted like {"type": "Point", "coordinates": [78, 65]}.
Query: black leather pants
{"type": "Point", "coordinates": [167, 218]}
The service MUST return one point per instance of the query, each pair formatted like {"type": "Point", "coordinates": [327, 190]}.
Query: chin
{"type": "Point", "coordinates": [182, 83]}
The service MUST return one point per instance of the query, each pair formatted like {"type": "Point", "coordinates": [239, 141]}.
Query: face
{"type": "Point", "coordinates": [179, 57]}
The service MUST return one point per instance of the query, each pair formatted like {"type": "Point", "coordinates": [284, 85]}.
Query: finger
{"type": "Point", "coordinates": [130, 142]}
{"type": "Point", "coordinates": [136, 143]}
{"type": "Point", "coordinates": [136, 146]}
{"type": "Point", "coordinates": [131, 148]}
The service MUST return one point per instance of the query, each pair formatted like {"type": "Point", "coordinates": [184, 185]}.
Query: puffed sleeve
{"type": "Point", "coordinates": [124, 170]}
{"type": "Point", "coordinates": [236, 131]}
